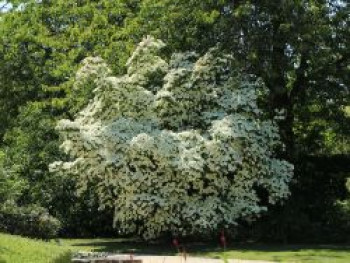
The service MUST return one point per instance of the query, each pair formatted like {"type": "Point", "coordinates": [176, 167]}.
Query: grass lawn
{"type": "Point", "coordinates": [289, 253]}
{"type": "Point", "coordinates": [15, 249]}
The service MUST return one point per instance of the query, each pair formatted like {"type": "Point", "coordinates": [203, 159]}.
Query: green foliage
{"type": "Point", "coordinates": [42, 44]}
{"type": "Point", "coordinates": [10, 185]}
{"type": "Point", "coordinates": [31, 221]}
{"type": "Point", "coordinates": [315, 213]}
{"type": "Point", "coordinates": [299, 48]}
{"type": "Point", "coordinates": [31, 146]}
{"type": "Point", "coordinates": [344, 208]}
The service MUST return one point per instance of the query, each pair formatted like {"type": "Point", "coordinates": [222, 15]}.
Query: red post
{"type": "Point", "coordinates": [176, 242]}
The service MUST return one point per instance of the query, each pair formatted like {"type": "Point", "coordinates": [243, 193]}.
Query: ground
{"type": "Point", "coordinates": [14, 249]}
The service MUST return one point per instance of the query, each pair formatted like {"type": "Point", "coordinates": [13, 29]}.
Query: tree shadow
{"type": "Point", "coordinates": [298, 253]}
{"type": "Point", "coordinates": [213, 249]}
{"type": "Point", "coordinates": [289, 248]}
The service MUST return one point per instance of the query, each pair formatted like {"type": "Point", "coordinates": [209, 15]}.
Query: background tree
{"type": "Point", "coordinates": [41, 46]}
{"type": "Point", "coordinates": [298, 47]}
{"type": "Point", "coordinates": [10, 186]}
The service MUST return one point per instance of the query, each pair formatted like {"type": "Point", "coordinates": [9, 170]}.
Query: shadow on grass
{"type": "Point", "coordinates": [288, 248]}
{"type": "Point", "coordinates": [213, 249]}
{"type": "Point", "coordinates": [63, 258]}
{"type": "Point", "coordinates": [294, 253]}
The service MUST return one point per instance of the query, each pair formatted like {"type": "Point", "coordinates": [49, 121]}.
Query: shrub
{"type": "Point", "coordinates": [31, 221]}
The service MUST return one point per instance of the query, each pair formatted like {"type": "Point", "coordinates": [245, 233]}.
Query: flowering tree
{"type": "Point", "coordinates": [177, 146]}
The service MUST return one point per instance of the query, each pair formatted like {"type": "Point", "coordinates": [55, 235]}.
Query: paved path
{"type": "Point", "coordinates": [179, 259]}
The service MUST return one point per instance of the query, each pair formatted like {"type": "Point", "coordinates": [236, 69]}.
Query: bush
{"type": "Point", "coordinates": [31, 221]}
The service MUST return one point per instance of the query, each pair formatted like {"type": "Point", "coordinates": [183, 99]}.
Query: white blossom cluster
{"type": "Point", "coordinates": [175, 146]}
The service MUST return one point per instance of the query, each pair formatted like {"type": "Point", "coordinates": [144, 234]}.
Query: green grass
{"type": "Point", "coordinates": [14, 249]}
{"type": "Point", "coordinates": [288, 253]}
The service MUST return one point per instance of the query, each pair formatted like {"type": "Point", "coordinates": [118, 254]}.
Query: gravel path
{"type": "Point", "coordinates": [179, 259]}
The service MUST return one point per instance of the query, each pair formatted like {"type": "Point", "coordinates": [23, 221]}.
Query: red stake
{"type": "Point", "coordinates": [176, 243]}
